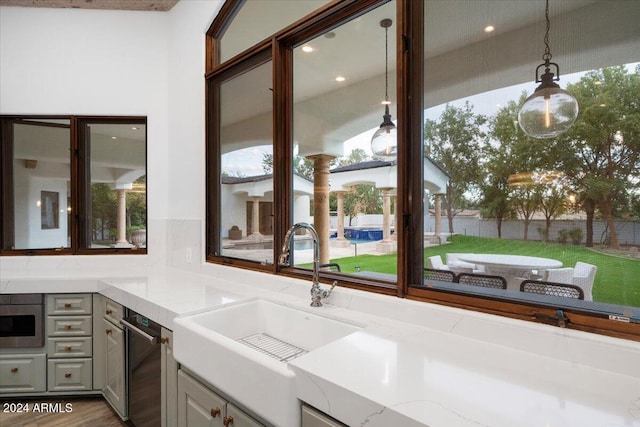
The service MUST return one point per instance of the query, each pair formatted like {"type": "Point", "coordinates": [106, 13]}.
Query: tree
{"type": "Point", "coordinates": [362, 198]}
{"type": "Point", "coordinates": [454, 143]}
{"type": "Point", "coordinates": [104, 207]}
{"type": "Point", "coordinates": [495, 189]}
{"type": "Point", "coordinates": [526, 200]}
{"type": "Point", "coordinates": [301, 165]}
{"type": "Point", "coordinates": [605, 142]}
{"type": "Point", "coordinates": [552, 190]}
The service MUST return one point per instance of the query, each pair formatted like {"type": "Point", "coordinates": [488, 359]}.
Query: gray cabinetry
{"type": "Point", "coordinates": [169, 416]}
{"type": "Point", "coordinates": [23, 373]}
{"type": "Point", "coordinates": [112, 361]}
{"type": "Point", "coordinates": [69, 342]}
{"type": "Point", "coordinates": [199, 406]}
{"type": "Point", "coordinates": [311, 417]}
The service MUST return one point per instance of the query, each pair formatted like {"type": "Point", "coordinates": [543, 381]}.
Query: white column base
{"type": "Point", "coordinates": [339, 243]}
{"type": "Point", "coordinates": [387, 246]}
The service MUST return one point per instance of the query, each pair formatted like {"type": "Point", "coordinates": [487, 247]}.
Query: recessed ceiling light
{"type": "Point", "coordinates": [489, 29]}
{"type": "Point", "coordinates": [341, 78]}
{"type": "Point", "coordinates": [134, 128]}
{"type": "Point", "coordinates": [114, 137]}
{"type": "Point", "coordinates": [307, 49]}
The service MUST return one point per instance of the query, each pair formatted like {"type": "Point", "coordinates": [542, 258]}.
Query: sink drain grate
{"type": "Point", "coordinates": [273, 347]}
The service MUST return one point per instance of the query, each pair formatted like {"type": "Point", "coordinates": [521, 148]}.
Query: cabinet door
{"type": "Point", "coordinates": [197, 405]}
{"type": "Point", "coordinates": [69, 374]}
{"type": "Point", "coordinates": [65, 304]}
{"type": "Point", "coordinates": [114, 373]}
{"type": "Point", "coordinates": [237, 418]}
{"type": "Point", "coordinates": [311, 417]}
{"type": "Point", "coordinates": [99, 344]}
{"type": "Point", "coordinates": [169, 381]}
{"type": "Point", "coordinates": [23, 373]}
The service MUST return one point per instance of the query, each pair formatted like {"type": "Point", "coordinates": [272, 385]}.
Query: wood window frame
{"type": "Point", "coordinates": [79, 167]}
{"type": "Point", "coordinates": [410, 110]}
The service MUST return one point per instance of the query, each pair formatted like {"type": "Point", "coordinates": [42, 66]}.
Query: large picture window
{"type": "Point", "coordinates": [466, 209]}
{"type": "Point", "coordinates": [73, 185]}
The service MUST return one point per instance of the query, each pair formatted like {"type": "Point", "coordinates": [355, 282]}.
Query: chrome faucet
{"type": "Point", "coordinates": [317, 293]}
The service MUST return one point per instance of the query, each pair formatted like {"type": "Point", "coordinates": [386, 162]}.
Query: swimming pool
{"type": "Point", "coordinates": [361, 235]}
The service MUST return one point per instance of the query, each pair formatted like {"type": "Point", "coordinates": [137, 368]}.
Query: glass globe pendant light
{"type": "Point", "coordinates": [549, 111]}
{"type": "Point", "coordinates": [384, 142]}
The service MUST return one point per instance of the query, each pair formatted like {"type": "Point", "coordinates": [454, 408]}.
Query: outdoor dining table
{"type": "Point", "coordinates": [514, 268]}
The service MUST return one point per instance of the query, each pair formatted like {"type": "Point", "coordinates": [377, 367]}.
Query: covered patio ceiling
{"type": "Point", "coordinates": [457, 64]}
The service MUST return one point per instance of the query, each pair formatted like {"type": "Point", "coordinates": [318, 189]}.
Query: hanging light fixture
{"type": "Point", "coordinates": [549, 111]}
{"type": "Point", "coordinates": [384, 142]}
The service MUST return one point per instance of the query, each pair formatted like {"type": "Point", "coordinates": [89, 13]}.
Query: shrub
{"type": "Point", "coordinates": [563, 236]}
{"type": "Point", "coordinates": [544, 234]}
{"type": "Point", "coordinates": [575, 234]}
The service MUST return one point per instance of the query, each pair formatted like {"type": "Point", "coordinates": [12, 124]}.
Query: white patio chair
{"type": "Point", "coordinates": [583, 276]}
{"type": "Point", "coordinates": [559, 275]}
{"type": "Point", "coordinates": [435, 262]}
{"type": "Point", "coordinates": [455, 264]}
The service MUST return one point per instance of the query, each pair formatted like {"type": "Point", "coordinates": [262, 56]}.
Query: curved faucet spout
{"type": "Point", "coordinates": [317, 293]}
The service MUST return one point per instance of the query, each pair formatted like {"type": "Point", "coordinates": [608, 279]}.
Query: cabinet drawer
{"type": "Point", "coordinates": [69, 304]}
{"type": "Point", "coordinates": [69, 374]}
{"type": "Point", "coordinates": [69, 347]}
{"type": "Point", "coordinates": [58, 326]}
{"type": "Point", "coordinates": [112, 311]}
{"type": "Point", "coordinates": [23, 373]}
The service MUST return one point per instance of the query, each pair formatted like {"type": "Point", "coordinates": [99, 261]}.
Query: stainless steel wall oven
{"type": "Point", "coordinates": [21, 320]}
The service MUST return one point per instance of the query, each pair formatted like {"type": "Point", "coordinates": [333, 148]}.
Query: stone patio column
{"type": "Point", "coordinates": [386, 214]}
{"type": "Point", "coordinates": [321, 202]}
{"type": "Point", "coordinates": [255, 220]}
{"type": "Point", "coordinates": [386, 245]}
{"type": "Point", "coordinates": [340, 241]}
{"type": "Point", "coordinates": [121, 227]}
{"type": "Point", "coordinates": [438, 215]}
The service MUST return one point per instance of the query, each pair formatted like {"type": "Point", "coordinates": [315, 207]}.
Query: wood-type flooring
{"type": "Point", "coordinates": [58, 412]}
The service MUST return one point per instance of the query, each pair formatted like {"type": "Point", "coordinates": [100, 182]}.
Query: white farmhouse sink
{"type": "Point", "coordinates": [242, 349]}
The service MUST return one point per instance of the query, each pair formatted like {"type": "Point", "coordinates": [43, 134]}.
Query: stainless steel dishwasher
{"type": "Point", "coordinates": [143, 369]}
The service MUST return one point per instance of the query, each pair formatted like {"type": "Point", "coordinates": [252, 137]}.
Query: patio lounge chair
{"type": "Point", "coordinates": [442, 275]}
{"type": "Point", "coordinates": [582, 275]}
{"type": "Point", "coordinates": [455, 264]}
{"type": "Point", "coordinates": [435, 262]}
{"type": "Point", "coordinates": [551, 288]}
{"type": "Point", "coordinates": [483, 280]}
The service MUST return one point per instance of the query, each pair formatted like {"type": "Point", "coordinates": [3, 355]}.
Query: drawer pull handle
{"type": "Point", "coordinates": [164, 340]}
{"type": "Point", "coordinates": [14, 370]}
{"type": "Point", "coordinates": [108, 311]}
{"type": "Point", "coordinates": [67, 305]}
{"type": "Point", "coordinates": [67, 348]}
{"type": "Point", "coordinates": [215, 412]}
{"type": "Point", "coordinates": [108, 331]}
{"type": "Point", "coordinates": [67, 327]}
{"type": "Point", "coordinates": [67, 375]}
{"type": "Point", "coordinates": [227, 421]}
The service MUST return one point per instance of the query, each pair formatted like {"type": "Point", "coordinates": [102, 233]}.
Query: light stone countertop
{"type": "Point", "coordinates": [415, 363]}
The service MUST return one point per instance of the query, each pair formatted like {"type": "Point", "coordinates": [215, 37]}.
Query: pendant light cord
{"type": "Point", "coordinates": [386, 64]}
{"type": "Point", "coordinates": [547, 51]}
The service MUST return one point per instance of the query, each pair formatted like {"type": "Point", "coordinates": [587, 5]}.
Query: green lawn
{"type": "Point", "coordinates": [617, 280]}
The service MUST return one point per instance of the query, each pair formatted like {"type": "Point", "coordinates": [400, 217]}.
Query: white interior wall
{"type": "Point", "coordinates": [99, 62]}
{"type": "Point", "coordinates": [28, 220]}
